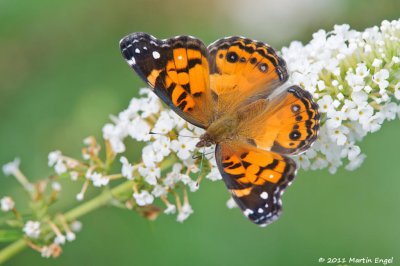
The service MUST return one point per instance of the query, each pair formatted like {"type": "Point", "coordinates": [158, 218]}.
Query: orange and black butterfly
{"type": "Point", "coordinates": [233, 89]}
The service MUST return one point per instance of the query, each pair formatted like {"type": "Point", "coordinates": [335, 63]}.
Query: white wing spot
{"type": "Point", "coordinates": [137, 51]}
{"type": "Point", "coordinates": [264, 195]}
{"type": "Point", "coordinates": [131, 61]}
{"type": "Point", "coordinates": [247, 212]}
{"type": "Point", "coordinates": [266, 205]}
{"type": "Point", "coordinates": [144, 48]}
{"type": "Point", "coordinates": [156, 55]}
{"type": "Point", "coordinates": [260, 210]}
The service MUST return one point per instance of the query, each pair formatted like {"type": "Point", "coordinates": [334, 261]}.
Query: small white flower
{"type": "Point", "coordinates": [397, 91]}
{"type": "Point", "coordinates": [80, 196]}
{"type": "Point", "coordinates": [363, 114]}
{"type": "Point", "coordinates": [76, 226]}
{"type": "Point", "coordinates": [185, 212]}
{"type": "Point", "coordinates": [389, 111]}
{"type": "Point", "coordinates": [60, 240]}
{"type": "Point", "coordinates": [360, 98]}
{"type": "Point", "coordinates": [335, 119]}
{"type": "Point", "coordinates": [162, 146]}
{"type": "Point", "coordinates": [7, 204]}
{"type": "Point", "coordinates": [54, 157]}
{"type": "Point", "coordinates": [115, 134]}
{"type": "Point", "coordinates": [60, 167]}
{"type": "Point", "coordinates": [356, 162]}
{"type": "Point", "coordinates": [325, 104]}
{"type": "Point", "coordinates": [149, 157]}
{"type": "Point", "coordinates": [173, 176]}
{"type": "Point", "coordinates": [303, 161]}
{"type": "Point", "coordinates": [367, 89]}
{"type": "Point", "coordinates": [127, 168]}
{"type": "Point", "coordinates": [171, 209]}
{"type": "Point", "coordinates": [150, 174]}
{"type": "Point", "coordinates": [70, 236]}
{"type": "Point", "coordinates": [380, 78]}
{"type": "Point", "coordinates": [231, 203]}
{"type": "Point", "coordinates": [185, 145]}
{"type": "Point", "coordinates": [362, 70]}
{"type": "Point", "coordinates": [12, 167]}
{"type": "Point", "coordinates": [32, 229]}
{"type": "Point", "coordinates": [98, 179]}
{"type": "Point", "coordinates": [352, 151]}
{"type": "Point", "coordinates": [159, 191]}
{"type": "Point", "coordinates": [74, 175]}
{"type": "Point", "coordinates": [143, 198]}
{"type": "Point", "coordinates": [56, 186]}
{"type": "Point", "coordinates": [339, 135]}
{"type": "Point", "coordinates": [214, 174]}
{"type": "Point", "coordinates": [139, 129]}
{"type": "Point", "coordinates": [377, 62]}
{"type": "Point", "coordinates": [164, 123]}
{"type": "Point", "coordinates": [46, 252]}
{"type": "Point", "coordinates": [193, 186]}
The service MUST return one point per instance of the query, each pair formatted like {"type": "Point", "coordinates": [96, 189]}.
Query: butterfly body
{"type": "Point", "coordinates": [220, 130]}
{"type": "Point", "coordinates": [233, 89]}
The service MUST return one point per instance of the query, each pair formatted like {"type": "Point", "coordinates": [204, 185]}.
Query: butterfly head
{"type": "Point", "coordinates": [205, 141]}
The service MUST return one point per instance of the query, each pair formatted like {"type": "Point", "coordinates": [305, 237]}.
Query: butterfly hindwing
{"type": "Point", "coordinates": [255, 178]}
{"type": "Point", "coordinates": [242, 69]}
{"type": "Point", "coordinates": [286, 123]}
{"type": "Point", "coordinates": [177, 70]}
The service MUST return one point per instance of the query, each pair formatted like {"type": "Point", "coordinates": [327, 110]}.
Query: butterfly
{"type": "Point", "coordinates": [233, 89]}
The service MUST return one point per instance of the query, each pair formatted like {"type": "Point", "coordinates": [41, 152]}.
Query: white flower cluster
{"type": "Point", "coordinates": [60, 163]}
{"type": "Point", "coordinates": [167, 136]}
{"type": "Point", "coordinates": [354, 78]}
{"type": "Point", "coordinates": [352, 75]}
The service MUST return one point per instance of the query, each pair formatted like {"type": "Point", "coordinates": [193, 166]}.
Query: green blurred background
{"type": "Point", "coordinates": [61, 75]}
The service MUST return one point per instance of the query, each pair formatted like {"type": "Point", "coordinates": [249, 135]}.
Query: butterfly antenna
{"type": "Point", "coordinates": [193, 137]}
{"type": "Point", "coordinates": [156, 133]}
{"type": "Point", "coordinates": [164, 134]}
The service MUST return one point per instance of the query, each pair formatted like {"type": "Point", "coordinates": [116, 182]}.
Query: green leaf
{"type": "Point", "coordinates": [9, 235]}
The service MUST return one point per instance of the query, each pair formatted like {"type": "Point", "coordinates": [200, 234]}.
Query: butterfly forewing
{"type": "Point", "coordinates": [177, 69]}
{"type": "Point", "coordinates": [243, 70]}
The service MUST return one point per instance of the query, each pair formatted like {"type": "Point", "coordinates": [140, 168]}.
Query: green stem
{"type": "Point", "coordinates": [104, 198]}
{"type": "Point", "coordinates": [11, 250]}
{"type": "Point", "coordinates": [89, 206]}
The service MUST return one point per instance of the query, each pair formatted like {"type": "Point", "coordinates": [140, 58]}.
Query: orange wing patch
{"type": "Point", "coordinates": [256, 179]}
{"type": "Point", "coordinates": [242, 68]}
{"type": "Point", "coordinates": [287, 124]}
{"type": "Point", "coordinates": [177, 69]}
